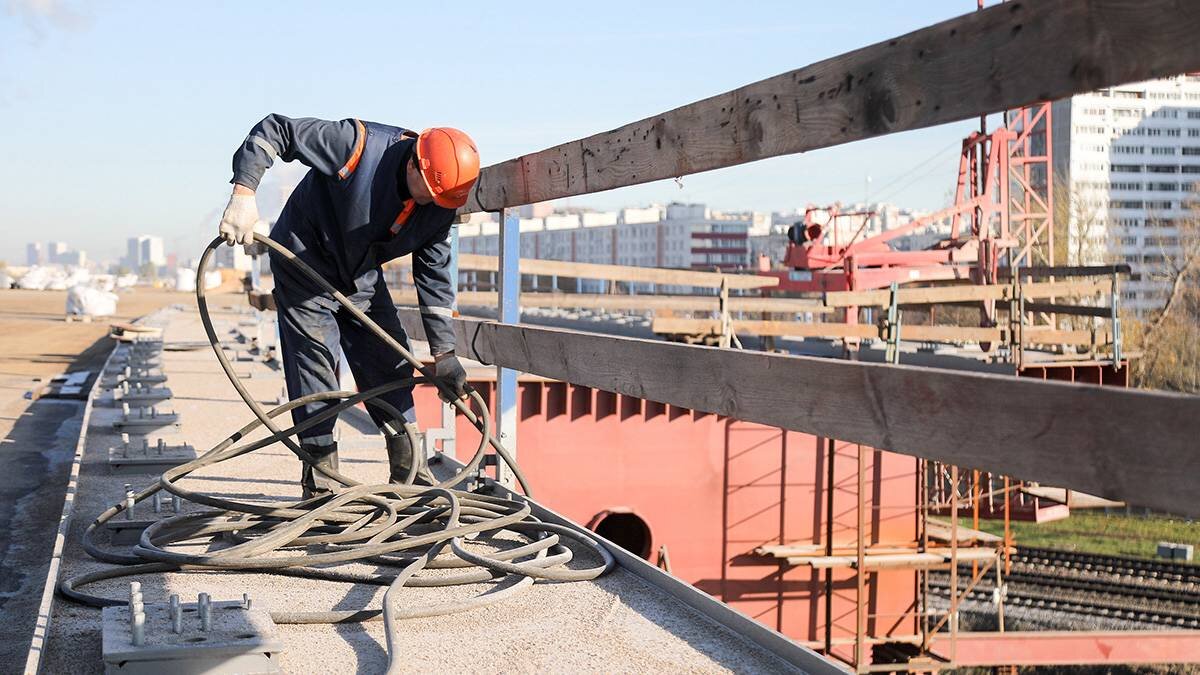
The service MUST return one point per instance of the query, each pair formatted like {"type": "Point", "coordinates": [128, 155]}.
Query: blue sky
{"type": "Point", "coordinates": [119, 118]}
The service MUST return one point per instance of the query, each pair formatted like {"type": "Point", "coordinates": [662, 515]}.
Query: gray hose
{"type": "Point", "coordinates": [387, 524]}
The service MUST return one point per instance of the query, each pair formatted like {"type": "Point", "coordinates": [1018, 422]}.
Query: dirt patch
{"type": "Point", "coordinates": [36, 341]}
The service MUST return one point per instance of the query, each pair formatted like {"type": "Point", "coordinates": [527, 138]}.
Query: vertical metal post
{"type": "Point", "coordinates": [1116, 318]}
{"type": "Point", "coordinates": [954, 596]}
{"type": "Point", "coordinates": [830, 479]}
{"type": "Point", "coordinates": [860, 603]}
{"type": "Point", "coordinates": [892, 354]}
{"type": "Point", "coordinates": [509, 312]}
{"type": "Point", "coordinates": [923, 500]}
{"type": "Point", "coordinates": [999, 595]}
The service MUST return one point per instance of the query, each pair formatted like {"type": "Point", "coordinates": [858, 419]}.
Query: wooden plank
{"type": "Point", "coordinates": [688, 303]}
{"type": "Point", "coordinates": [1062, 271]}
{"type": "Point", "coordinates": [803, 550]}
{"type": "Point", "coordinates": [1130, 445]}
{"type": "Point", "coordinates": [1038, 335]}
{"type": "Point", "coordinates": [996, 59]}
{"type": "Point", "coordinates": [644, 275]}
{"type": "Point", "coordinates": [1071, 310]}
{"type": "Point", "coordinates": [914, 333]}
{"type": "Point", "coordinates": [911, 560]}
{"type": "Point", "coordinates": [940, 530]}
{"type": "Point", "coordinates": [669, 325]}
{"type": "Point", "coordinates": [939, 294]}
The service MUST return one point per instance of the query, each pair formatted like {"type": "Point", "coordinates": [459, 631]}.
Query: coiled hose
{"type": "Point", "coordinates": [402, 528]}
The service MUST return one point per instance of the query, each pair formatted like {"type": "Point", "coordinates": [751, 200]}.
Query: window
{"type": "Point", "coordinates": [1117, 93]}
{"type": "Point", "coordinates": [1128, 241]}
{"type": "Point", "coordinates": [1130, 204]}
{"type": "Point", "coordinates": [1126, 168]}
{"type": "Point", "coordinates": [1162, 241]}
{"type": "Point", "coordinates": [1125, 186]}
{"type": "Point", "coordinates": [1159, 205]}
{"type": "Point", "coordinates": [1193, 133]}
{"type": "Point", "coordinates": [1163, 151]}
{"type": "Point", "coordinates": [1154, 132]}
{"type": "Point", "coordinates": [1162, 187]}
{"type": "Point", "coordinates": [1129, 112]}
{"type": "Point", "coordinates": [1193, 114]}
{"type": "Point", "coordinates": [1167, 113]}
{"type": "Point", "coordinates": [1173, 133]}
{"type": "Point", "coordinates": [1187, 168]}
{"type": "Point", "coordinates": [1162, 168]}
{"type": "Point", "coordinates": [1191, 150]}
{"type": "Point", "coordinates": [1129, 149]}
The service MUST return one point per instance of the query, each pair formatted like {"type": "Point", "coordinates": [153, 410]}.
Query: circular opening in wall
{"type": "Point", "coordinates": [624, 529]}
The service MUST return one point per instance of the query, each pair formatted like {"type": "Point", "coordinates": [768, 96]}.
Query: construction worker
{"type": "Point", "coordinates": [373, 193]}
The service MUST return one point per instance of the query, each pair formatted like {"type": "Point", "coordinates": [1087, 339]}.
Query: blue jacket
{"type": "Point", "coordinates": [352, 212]}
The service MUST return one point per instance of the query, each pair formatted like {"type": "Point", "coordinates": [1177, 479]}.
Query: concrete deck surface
{"type": "Point", "coordinates": [617, 623]}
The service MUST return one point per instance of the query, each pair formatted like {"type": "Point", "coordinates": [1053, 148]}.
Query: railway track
{"type": "Point", "coordinates": [1129, 589]}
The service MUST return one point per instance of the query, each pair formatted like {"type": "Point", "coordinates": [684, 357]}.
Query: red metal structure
{"type": "Point", "coordinates": [980, 222]}
{"type": "Point", "coordinates": [699, 493]}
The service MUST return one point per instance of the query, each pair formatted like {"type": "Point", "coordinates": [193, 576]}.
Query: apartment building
{"type": "Point", "coordinates": [687, 236]}
{"type": "Point", "coordinates": [1130, 158]}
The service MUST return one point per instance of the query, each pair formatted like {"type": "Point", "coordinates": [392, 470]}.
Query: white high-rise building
{"type": "Point", "coordinates": [152, 250]}
{"type": "Point", "coordinates": [55, 250]}
{"type": "Point", "coordinates": [144, 249]}
{"type": "Point", "coordinates": [1130, 157]}
{"type": "Point", "coordinates": [34, 254]}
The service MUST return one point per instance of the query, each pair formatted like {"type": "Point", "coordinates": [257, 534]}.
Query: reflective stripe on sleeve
{"type": "Point", "coordinates": [265, 145]}
{"type": "Point", "coordinates": [352, 163]}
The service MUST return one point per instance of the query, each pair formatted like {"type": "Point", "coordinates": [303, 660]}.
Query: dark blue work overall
{"type": "Point", "coordinates": [345, 222]}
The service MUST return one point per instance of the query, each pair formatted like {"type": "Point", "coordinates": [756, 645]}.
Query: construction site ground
{"type": "Point", "coordinates": [37, 437]}
{"type": "Point", "coordinates": [616, 623]}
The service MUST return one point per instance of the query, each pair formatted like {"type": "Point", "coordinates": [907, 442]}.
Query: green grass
{"type": "Point", "coordinates": [1093, 532]}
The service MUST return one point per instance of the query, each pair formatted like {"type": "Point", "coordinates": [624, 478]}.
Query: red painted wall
{"type": "Point", "coordinates": [711, 490]}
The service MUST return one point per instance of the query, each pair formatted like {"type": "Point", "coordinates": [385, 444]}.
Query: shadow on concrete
{"type": "Point", "coordinates": [36, 454]}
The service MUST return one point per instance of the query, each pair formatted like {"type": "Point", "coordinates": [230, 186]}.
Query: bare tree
{"type": "Point", "coordinates": [1170, 340]}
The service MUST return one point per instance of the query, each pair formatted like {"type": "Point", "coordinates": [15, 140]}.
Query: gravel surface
{"type": "Point", "coordinates": [614, 624]}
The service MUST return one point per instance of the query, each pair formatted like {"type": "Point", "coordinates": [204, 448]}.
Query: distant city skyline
{"type": "Point", "coordinates": [99, 174]}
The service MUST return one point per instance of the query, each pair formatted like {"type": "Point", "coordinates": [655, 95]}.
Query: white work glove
{"type": "Point", "coordinates": [253, 247]}
{"type": "Point", "coordinates": [239, 219]}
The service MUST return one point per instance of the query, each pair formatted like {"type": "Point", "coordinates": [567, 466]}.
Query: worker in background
{"type": "Point", "coordinates": [373, 193]}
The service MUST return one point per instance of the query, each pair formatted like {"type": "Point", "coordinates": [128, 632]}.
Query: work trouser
{"type": "Point", "coordinates": [313, 331]}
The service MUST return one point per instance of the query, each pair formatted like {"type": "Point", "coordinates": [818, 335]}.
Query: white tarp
{"type": "Point", "coordinates": [105, 282]}
{"type": "Point", "coordinates": [185, 280]}
{"type": "Point", "coordinates": [88, 301]}
{"type": "Point", "coordinates": [35, 279]}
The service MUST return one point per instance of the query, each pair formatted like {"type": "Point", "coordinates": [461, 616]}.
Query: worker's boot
{"type": "Point", "coordinates": [400, 458]}
{"type": "Point", "coordinates": [313, 483]}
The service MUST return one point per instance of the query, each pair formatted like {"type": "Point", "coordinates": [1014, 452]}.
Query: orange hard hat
{"type": "Point", "coordinates": [449, 164]}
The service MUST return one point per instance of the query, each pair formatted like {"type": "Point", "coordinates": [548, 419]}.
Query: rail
{"type": "Point", "coordinates": [1129, 445]}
